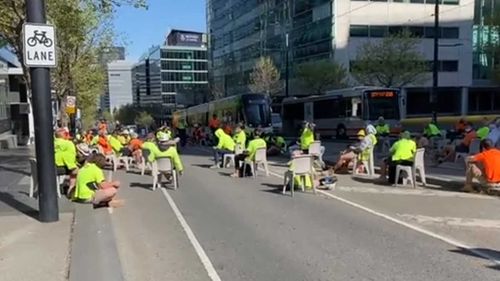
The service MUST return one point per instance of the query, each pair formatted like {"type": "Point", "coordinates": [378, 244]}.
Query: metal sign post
{"type": "Point", "coordinates": [39, 46]}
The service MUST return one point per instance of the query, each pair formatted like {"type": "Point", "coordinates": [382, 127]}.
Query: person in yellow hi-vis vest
{"type": "Point", "coordinates": [383, 129]}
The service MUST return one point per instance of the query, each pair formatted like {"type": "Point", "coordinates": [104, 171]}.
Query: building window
{"type": "Point", "coordinates": [418, 31]}
{"type": "Point", "coordinates": [378, 31]}
{"type": "Point", "coordinates": [449, 66]}
{"type": "Point", "coordinates": [450, 32]}
{"type": "Point", "coordinates": [359, 30]}
{"type": "Point", "coordinates": [168, 99]}
{"type": "Point", "coordinates": [114, 75]}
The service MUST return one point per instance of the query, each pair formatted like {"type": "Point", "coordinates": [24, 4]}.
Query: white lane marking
{"type": "Point", "coordinates": [445, 239]}
{"type": "Point", "coordinates": [452, 221]}
{"type": "Point", "coordinates": [212, 273]}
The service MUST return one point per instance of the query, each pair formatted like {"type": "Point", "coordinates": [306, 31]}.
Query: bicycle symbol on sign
{"type": "Point", "coordinates": [40, 38]}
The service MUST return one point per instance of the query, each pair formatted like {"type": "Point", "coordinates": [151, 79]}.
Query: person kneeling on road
{"type": "Point", "coordinates": [226, 145]}
{"type": "Point", "coordinates": [249, 153]}
{"type": "Point", "coordinates": [91, 186]}
{"type": "Point", "coordinates": [402, 153]}
{"type": "Point", "coordinates": [484, 166]}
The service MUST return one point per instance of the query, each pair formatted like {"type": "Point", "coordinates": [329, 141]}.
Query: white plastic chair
{"type": "Point", "coordinates": [411, 171]}
{"type": "Point", "coordinates": [303, 167]}
{"type": "Point", "coordinates": [34, 179]}
{"type": "Point", "coordinates": [368, 165]}
{"type": "Point", "coordinates": [161, 167]}
{"type": "Point", "coordinates": [260, 159]}
{"type": "Point", "coordinates": [474, 148]}
{"type": "Point", "coordinates": [229, 157]}
{"type": "Point", "coordinates": [315, 149]}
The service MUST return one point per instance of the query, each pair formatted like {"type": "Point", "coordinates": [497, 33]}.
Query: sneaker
{"type": "Point", "coordinates": [116, 203]}
{"type": "Point", "coordinates": [214, 167]}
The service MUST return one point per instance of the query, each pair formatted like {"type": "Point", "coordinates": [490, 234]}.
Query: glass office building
{"type": "Point", "coordinates": [172, 76]}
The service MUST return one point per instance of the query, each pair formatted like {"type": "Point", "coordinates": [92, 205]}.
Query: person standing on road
{"type": "Point", "coordinates": [225, 145]}
{"type": "Point", "coordinates": [214, 123]}
{"type": "Point", "coordinates": [484, 166]}
{"type": "Point", "coordinates": [240, 137]}
{"type": "Point", "coordinates": [181, 132]}
{"type": "Point", "coordinates": [383, 129]}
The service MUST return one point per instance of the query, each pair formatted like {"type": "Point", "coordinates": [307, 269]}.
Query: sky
{"type": "Point", "coordinates": [140, 29]}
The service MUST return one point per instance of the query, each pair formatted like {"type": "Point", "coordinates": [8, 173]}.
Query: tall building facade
{"type": "Point", "coordinates": [119, 84]}
{"type": "Point", "coordinates": [174, 75]}
{"type": "Point", "coordinates": [106, 56]}
{"type": "Point", "coordinates": [240, 31]}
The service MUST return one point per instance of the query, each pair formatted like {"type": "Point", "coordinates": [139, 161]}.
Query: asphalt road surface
{"type": "Point", "coordinates": [249, 231]}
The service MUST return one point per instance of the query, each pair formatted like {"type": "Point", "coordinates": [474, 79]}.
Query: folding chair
{"type": "Point", "coordinates": [301, 166]}
{"type": "Point", "coordinates": [260, 159]}
{"type": "Point", "coordinates": [164, 166]}
{"type": "Point", "coordinates": [411, 171]}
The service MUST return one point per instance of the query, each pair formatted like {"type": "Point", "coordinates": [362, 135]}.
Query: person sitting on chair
{"type": "Point", "coordinates": [226, 145]}
{"type": "Point", "coordinates": [167, 148]}
{"type": "Point", "coordinates": [450, 151]}
{"type": "Point", "coordinates": [484, 166]}
{"type": "Point", "coordinates": [65, 157]}
{"type": "Point", "coordinates": [402, 153]}
{"type": "Point", "coordinates": [432, 131]}
{"type": "Point", "coordinates": [91, 186]}
{"type": "Point", "coordinates": [360, 149]}
{"type": "Point", "coordinates": [249, 153]}
{"type": "Point", "coordinates": [135, 146]}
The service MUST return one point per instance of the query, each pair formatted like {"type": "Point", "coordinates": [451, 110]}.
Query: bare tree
{"type": "Point", "coordinates": [265, 77]}
{"type": "Point", "coordinates": [391, 62]}
{"type": "Point", "coordinates": [320, 76]}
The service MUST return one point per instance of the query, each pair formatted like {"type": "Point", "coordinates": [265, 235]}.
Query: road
{"type": "Point", "coordinates": [249, 231]}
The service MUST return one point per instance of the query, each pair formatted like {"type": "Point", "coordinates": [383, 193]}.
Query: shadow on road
{"type": "Point", "coordinates": [205, 166]}
{"type": "Point", "coordinates": [12, 202]}
{"type": "Point", "coordinates": [147, 186]}
{"type": "Point", "coordinates": [492, 253]}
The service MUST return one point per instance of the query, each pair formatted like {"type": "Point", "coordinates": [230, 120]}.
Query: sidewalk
{"type": "Point", "coordinates": [29, 250]}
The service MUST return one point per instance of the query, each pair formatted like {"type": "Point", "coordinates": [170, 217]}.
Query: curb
{"type": "Point", "coordinates": [94, 254]}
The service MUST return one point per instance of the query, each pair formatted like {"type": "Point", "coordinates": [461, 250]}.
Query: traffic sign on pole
{"type": "Point", "coordinates": [42, 106]}
{"type": "Point", "coordinates": [39, 45]}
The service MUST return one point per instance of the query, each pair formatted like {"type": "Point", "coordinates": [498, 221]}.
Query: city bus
{"type": "Point", "coordinates": [254, 110]}
{"type": "Point", "coordinates": [342, 113]}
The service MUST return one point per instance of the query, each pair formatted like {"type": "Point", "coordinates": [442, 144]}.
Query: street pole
{"type": "Point", "coordinates": [44, 136]}
{"type": "Point", "coordinates": [287, 62]}
{"type": "Point", "coordinates": [435, 64]}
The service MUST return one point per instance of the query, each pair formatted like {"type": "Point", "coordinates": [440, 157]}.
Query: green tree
{"type": "Point", "coordinates": [265, 77]}
{"type": "Point", "coordinates": [126, 114]}
{"type": "Point", "coordinates": [144, 119]}
{"type": "Point", "coordinates": [392, 62]}
{"type": "Point", "coordinates": [321, 76]}
{"type": "Point", "coordinates": [83, 28]}
{"type": "Point", "coordinates": [107, 116]}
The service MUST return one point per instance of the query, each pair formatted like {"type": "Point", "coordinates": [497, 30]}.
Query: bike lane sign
{"type": "Point", "coordinates": [39, 45]}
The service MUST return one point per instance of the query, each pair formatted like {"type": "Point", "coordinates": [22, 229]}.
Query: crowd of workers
{"type": "Point", "coordinates": [84, 157]}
